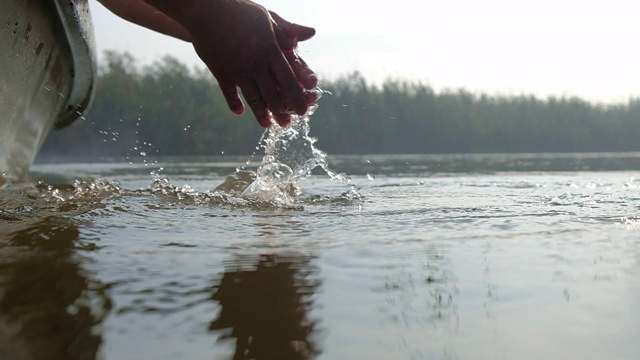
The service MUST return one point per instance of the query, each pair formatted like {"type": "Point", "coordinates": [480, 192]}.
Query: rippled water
{"type": "Point", "coordinates": [443, 257]}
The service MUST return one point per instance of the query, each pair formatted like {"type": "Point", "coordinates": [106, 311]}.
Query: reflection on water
{"type": "Point", "coordinates": [450, 257]}
{"type": "Point", "coordinates": [265, 308]}
{"type": "Point", "coordinates": [45, 312]}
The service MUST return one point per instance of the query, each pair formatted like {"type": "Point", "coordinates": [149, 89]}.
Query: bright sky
{"type": "Point", "coordinates": [562, 47]}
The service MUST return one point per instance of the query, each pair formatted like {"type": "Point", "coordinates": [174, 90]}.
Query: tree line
{"type": "Point", "coordinates": [170, 109]}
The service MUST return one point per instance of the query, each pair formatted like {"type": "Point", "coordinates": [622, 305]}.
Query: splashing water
{"type": "Point", "coordinates": [290, 156]}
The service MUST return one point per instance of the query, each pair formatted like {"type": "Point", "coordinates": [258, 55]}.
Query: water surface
{"type": "Point", "coordinates": [443, 257]}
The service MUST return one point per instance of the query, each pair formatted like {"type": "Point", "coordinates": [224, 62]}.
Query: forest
{"type": "Point", "coordinates": [170, 109]}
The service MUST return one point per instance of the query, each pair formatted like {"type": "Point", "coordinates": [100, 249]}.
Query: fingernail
{"type": "Point", "coordinates": [265, 122]}
{"type": "Point", "coordinates": [310, 81]}
{"type": "Point", "coordinates": [312, 77]}
{"type": "Point", "coordinates": [237, 108]}
{"type": "Point", "coordinates": [285, 121]}
{"type": "Point", "coordinates": [311, 97]}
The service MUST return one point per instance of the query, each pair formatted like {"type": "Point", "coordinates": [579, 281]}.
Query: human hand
{"type": "Point", "coordinates": [288, 35]}
{"type": "Point", "coordinates": [246, 47]}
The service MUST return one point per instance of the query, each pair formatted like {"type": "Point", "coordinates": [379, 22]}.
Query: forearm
{"type": "Point", "coordinates": [145, 13]}
{"type": "Point", "coordinates": [182, 11]}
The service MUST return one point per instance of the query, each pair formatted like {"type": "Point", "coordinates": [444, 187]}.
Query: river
{"type": "Point", "coordinates": [532, 256]}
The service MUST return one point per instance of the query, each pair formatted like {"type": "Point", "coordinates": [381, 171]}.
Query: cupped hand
{"type": "Point", "coordinates": [288, 34]}
{"type": "Point", "coordinates": [246, 47]}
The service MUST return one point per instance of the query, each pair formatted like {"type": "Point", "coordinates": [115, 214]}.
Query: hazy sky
{"type": "Point", "coordinates": [562, 47]}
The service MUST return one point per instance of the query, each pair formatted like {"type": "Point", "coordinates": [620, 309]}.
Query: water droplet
{"type": "Point", "coordinates": [370, 177]}
{"type": "Point", "coordinates": [143, 153]}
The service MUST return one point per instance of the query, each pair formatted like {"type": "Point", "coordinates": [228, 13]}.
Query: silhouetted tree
{"type": "Point", "coordinates": [181, 111]}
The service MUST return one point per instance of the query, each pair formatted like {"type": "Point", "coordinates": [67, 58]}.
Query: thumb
{"type": "Point", "coordinates": [290, 33]}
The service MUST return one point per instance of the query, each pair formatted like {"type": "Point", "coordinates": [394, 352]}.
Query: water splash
{"type": "Point", "coordinates": [226, 194]}
{"type": "Point", "coordinates": [290, 156]}
{"type": "Point", "coordinates": [79, 191]}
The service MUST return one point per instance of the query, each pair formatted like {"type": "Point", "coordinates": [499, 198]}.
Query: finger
{"type": "Point", "coordinates": [290, 89]}
{"type": "Point", "coordinates": [311, 97]}
{"type": "Point", "coordinates": [303, 32]}
{"type": "Point", "coordinates": [291, 30]}
{"type": "Point", "coordinates": [300, 32]}
{"type": "Point", "coordinates": [230, 92]}
{"type": "Point", "coordinates": [285, 121]}
{"type": "Point", "coordinates": [285, 42]}
{"type": "Point", "coordinates": [256, 102]}
{"type": "Point", "coordinates": [269, 90]}
{"type": "Point", "coordinates": [303, 73]}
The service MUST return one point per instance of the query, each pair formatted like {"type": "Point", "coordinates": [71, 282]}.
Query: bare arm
{"type": "Point", "coordinates": [141, 13]}
{"type": "Point", "coordinates": [244, 45]}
